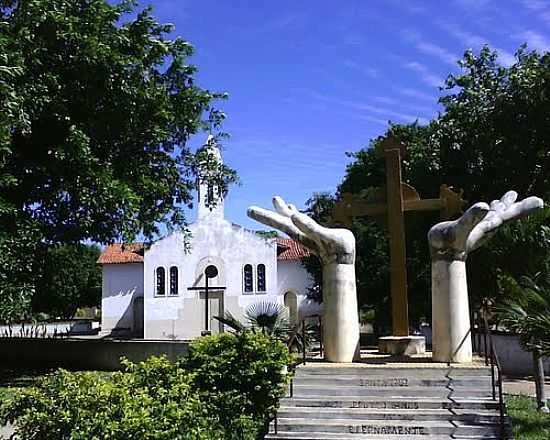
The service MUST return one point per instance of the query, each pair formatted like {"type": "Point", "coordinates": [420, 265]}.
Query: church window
{"type": "Point", "coordinates": [173, 280]}
{"type": "Point", "coordinates": [160, 281]}
{"type": "Point", "coordinates": [261, 277]}
{"type": "Point", "coordinates": [248, 282]}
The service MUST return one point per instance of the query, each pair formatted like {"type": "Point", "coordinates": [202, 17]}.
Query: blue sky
{"type": "Point", "coordinates": [310, 80]}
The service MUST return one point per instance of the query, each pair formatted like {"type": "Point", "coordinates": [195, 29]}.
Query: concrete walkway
{"type": "Point", "coordinates": [523, 385]}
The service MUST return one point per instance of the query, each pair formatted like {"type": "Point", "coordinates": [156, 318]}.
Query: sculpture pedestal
{"type": "Point", "coordinates": [402, 345]}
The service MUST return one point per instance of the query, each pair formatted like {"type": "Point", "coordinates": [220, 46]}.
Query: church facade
{"type": "Point", "coordinates": [158, 291]}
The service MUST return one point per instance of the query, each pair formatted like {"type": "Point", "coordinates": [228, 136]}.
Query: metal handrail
{"type": "Point", "coordinates": [492, 360]}
{"type": "Point", "coordinates": [293, 365]}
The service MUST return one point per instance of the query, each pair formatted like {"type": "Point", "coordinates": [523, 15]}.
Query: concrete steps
{"type": "Point", "coordinates": [344, 402]}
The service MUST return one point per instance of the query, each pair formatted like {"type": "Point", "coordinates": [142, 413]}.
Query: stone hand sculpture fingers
{"type": "Point", "coordinates": [502, 211]}
{"type": "Point", "coordinates": [283, 223]}
{"type": "Point", "coordinates": [450, 243]}
{"type": "Point", "coordinates": [283, 208]}
{"type": "Point", "coordinates": [322, 241]}
{"type": "Point", "coordinates": [305, 224]}
{"type": "Point", "coordinates": [449, 239]}
{"type": "Point", "coordinates": [336, 249]}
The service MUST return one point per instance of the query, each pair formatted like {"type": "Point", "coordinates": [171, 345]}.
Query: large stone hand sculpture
{"type": "Point", "coordinates": [336, 249]}
{"type": "Point", "coordinates": [450, 243]}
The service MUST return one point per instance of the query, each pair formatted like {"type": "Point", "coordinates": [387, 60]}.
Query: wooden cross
{"type": "Point", "coordinates": [399, 198]}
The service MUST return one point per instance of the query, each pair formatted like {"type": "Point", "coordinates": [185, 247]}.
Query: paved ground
{"type": "Point", "coordinates": [523, 385]}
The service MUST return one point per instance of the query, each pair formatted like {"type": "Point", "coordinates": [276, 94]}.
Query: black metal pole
{"type": "Point", "coordinates": [485, 330]}
{"type": "Point", "coordinates": [501, 405]}
{"type": "Point", "coordinates": [320, 337]}
{"type": "Point", "coordinates": [493, 372]}
{"type": "Point", "coordinates": [304, 340]}
{"type": "Point", "coordinates": [206, 311]}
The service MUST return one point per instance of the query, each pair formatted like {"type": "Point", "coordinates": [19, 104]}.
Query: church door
{"type": "Point", "coordinates": [138, 317]}
{"type": "Point", "coordinates": [215, 308]}
{"type": "Point", "coordinates": [210, 272]}
{"type": "Point", "coordinates": [291, 303]}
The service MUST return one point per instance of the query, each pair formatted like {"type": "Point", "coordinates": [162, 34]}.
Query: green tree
{"type": "Point", "coordinates": [97, 104]}
{"type": "Point", "coordinates": [526, 312]}
{"type": "Point", "coordinates": [70, 279]}
{"type": "Point", "coordinates": [492, 135]}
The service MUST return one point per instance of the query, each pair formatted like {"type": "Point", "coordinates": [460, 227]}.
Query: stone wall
{"type": "Point", "coordinates": [513, 359]}
{"type": "Point", "coordinates": [82, 354]}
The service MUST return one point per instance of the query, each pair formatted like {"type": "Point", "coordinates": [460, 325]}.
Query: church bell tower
{"type": "Point", "coordinates": [210, 198]}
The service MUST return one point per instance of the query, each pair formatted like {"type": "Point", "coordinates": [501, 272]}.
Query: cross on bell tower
{"type": "Point", "coordinates": [210, 198]}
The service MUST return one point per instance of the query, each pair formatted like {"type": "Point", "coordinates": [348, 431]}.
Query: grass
{"type": "Point", "coordinates": [527, 422]}
{"type": "Point", "coordinates": [12, 380]}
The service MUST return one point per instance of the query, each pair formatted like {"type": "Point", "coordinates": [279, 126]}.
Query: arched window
{"type": "Point", "coordinates": [248, 281]}
{"type": "Point", "coordinates": [260, 275]}
{"type": "Point", "coordinates": [161, 277]}
{"type": "Point", "coordinates": [173, 280]}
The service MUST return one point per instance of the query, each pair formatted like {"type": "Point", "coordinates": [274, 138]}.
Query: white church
{"type": "Point", "coordinates": [158, 291]}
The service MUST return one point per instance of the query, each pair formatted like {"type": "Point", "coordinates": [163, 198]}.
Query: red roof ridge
{"type": "Point", "coordinates": [122, 253]}
{"type": "Point", "coordinates": [291, 250]}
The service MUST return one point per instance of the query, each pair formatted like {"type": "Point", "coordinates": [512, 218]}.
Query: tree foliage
{"type": "Point", "coordinates": [226, 389]}
{"type": "Point", "coordinates": [97, 104]}
{"type": "Point", "coordinates": [70, 279]}
{"type": "Point", "coordinates": [492, 135]}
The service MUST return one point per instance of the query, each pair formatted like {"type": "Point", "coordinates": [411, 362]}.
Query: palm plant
{"type": "Point", "coordinates": [272, 318]}
{"type": "Point", "coordinates": [269, 316]}
{"type": "Point", "coordinates": [527, 312]}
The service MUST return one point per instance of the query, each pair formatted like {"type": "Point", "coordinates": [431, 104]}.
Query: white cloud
{"type": "Point", "coordinates": [437, 51]}
{"type": "Point", "coordinates": [370, 108]}
{"type": "Point", "coordinates": [385, 100]}
{"type": "Point", "coordinates": [369, 71]}
{"type": "Point", "coordinates": [425, 74]}
{"type": "Point", "coordinates": [475, 41]}
{"type": "Point", "coordinates": [540, 7]}
{"type": "Point", "coordinates": [467, 38]}
{"type": "Point", "coordinates": [372, 119]}
{"type": "Point", "coordinates": [472, 4]}
{"type": "Point", "coordinates": [429, 48]}
{"type": "Point", "coordinates": [505, 57]}
{"type": "Point", "coordinates": [412, 93]}
{"type": "Point", "coordinates": [535, 40]}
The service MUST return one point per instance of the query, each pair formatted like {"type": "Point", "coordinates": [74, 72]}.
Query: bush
{"type": "Point", "coordinates": [240, 374]}
{"type": "Point", "coordinates": [225, 389]}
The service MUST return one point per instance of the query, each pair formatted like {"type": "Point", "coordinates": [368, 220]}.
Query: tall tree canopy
{"type": "Point", "coordinates": [96, 106]}
{"type": "Point", "coordinates": [103, 104]}
{"type": "Point", "coordinates": [492, 135]}
{"type": "Point", "coordinates": [70, 279]}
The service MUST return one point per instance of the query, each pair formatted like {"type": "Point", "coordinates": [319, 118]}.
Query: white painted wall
{"type": "Point", "coordinates": [292, 276]}
{"type": "Point", "coordinates": [214, 241]}
{"type": "Point", "coordinates": [121, 284]}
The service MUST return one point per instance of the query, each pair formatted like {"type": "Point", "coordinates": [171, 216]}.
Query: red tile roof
{"type": "Point", "coordinates": [119, 253]}
{"type": "Point", "coordinates": [288, 249]}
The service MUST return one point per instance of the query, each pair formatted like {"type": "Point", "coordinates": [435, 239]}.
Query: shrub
{"type": "Point", "coordinates": [240, 374]}
{"type": "Point", "coordinates": [226, 389]}
{"type": "Point", "coordinates": [84, 406]}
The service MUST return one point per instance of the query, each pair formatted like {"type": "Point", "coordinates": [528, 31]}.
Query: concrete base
{"type": "Point", "coordinates": [402, 345]}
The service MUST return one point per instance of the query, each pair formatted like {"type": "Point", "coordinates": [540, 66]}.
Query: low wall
{"type": "Point", "coordinates": [82, 354]}
{"type": "Point", "coordinates": [513, 359]}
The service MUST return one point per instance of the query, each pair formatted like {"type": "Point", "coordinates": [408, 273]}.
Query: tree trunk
{"type": "Point", "coordinates": [538, 368]}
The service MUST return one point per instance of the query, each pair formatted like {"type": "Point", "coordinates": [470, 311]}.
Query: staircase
{"type": "Point", "coordinates": [344, 402]}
